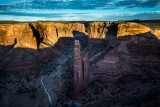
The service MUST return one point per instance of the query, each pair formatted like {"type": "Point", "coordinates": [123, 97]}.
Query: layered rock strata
{"type": "Point", "coordinates": [81, 69]}
{"type": "Point", "coordinates": [50, 32]}
{"type": "Point", "coordinates": [118, 66]}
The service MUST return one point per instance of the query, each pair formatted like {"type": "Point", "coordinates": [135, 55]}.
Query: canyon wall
{"type": "Point", "coordinates": [156, 32]}
{"type": "Point", "coordinates": [21, 32]}
{"type": "Point", "coordinates": [27, 34]}
{"type": "Point", "coordinates": [46, 34]}
{"type": "Point", "coordinates": [131, 28]}
{"type": "Point", "coordinates": [126, 29]}
{"type": "Point", "coordinates": [32, 48]}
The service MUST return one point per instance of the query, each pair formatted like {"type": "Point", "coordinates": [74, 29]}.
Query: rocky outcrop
{"type": "Point", "coordinates": [131, 28]}
{"type": "Point", "coordinates": [49, 32]}
{"type": "Point", "coordinates": [112, 69]}
{"type": "Point", "coordinates": [98, 29]}
{"type": "Point", "coordinates": [21, 32]}
{"type": "Point", "coordinates": [156, 32]}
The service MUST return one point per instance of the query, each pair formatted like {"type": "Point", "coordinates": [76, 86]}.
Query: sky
{"type": "Point", "coordinates": [79, 10]}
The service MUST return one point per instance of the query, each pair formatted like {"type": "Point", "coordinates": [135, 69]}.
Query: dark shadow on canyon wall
{"type": "Point", "coordinates": [83, 38]}
{"type": "Point", "coordinates": [15, 41]}
{"type": "Point", "coordinates": [57, 32]}
{"type": "Point", "coordinates": [142, 44]}
{"type": "Point", "coordinates": [148, 36]}
{"type": "Point", "coordinates": [5, 49]}
{"type": "Point", "coordinates": [65, 42]}
{"type": "Point", "coordinates": [39, 39]}
{"type": "Point", "coordinates": [86, 24]}
{"type": "Point", "coordinates": [36, 34]}
{"type": "Point", "coordinates": [111, 35]}
{"type": "Point", "coordinates": [31, 62]}
{"type": "Point", "coordinates": [10, 54]}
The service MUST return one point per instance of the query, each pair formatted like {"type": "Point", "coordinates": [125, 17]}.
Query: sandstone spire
{"type": "Point", "coordinates": [85, 69]}
{"type": "Point", "coordinates": [78, 75]}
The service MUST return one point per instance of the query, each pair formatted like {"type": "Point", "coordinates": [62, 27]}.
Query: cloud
{"type": "Point", "coordinates": [23, 16]}
{"type": "Point", "coordinates": [131, 16]}
{"type": "Point", "coordinates": [39, 15]}
{"type": "Point", "coordinates": [57, 4]}
{"type": "Point", "coordinates": [16, 13]}
{"type": "Point", "coordinates": [79, 4]}
{"type": "Point", "coordinates": [137, 3]}
{"type": "Point", "coordinates": [16, 9]}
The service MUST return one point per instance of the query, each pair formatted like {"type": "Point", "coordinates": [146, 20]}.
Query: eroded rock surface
{"type": "Point", "coordinates": [123, 56]}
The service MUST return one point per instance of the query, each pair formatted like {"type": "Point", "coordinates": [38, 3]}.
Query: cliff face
{"type": "Point", "coordinates": [26, 33]}
{"type": "Point", "coordinates": [21, 32]}
{"type": "Point", "coordinates": [131, 29]}
{"type": "Point", "coordinates": [51, 32]}
{"type": "Point", "coordinates": [28, 49]}
{"type": "Point", "coordinates": [156, 32]}
{"type": "Point", "coordinates": [98, 29]}
{"type": "Point", "coordinates": [126, 29]}
{"type": "Point", "coordinates": [46, 34]}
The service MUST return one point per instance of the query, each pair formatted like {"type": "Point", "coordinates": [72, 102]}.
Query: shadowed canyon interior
{"type": "Point", "coordinates": [122, 63]}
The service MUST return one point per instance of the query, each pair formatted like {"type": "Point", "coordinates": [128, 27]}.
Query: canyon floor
{"type": "Point", "coordinates": [124, 64]}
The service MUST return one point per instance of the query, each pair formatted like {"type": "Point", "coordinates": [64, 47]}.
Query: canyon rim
{"type": "Point", "coordinates": [79, 53]}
